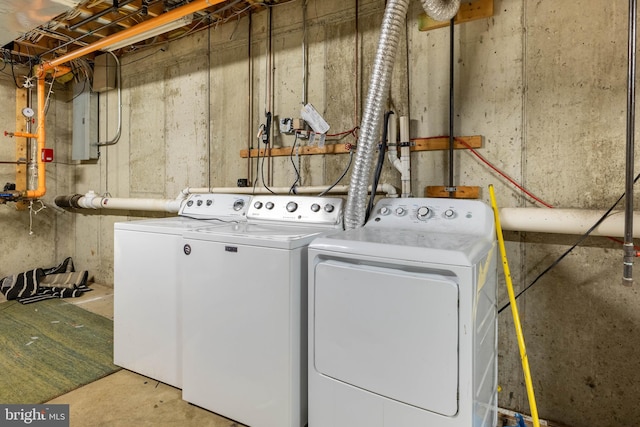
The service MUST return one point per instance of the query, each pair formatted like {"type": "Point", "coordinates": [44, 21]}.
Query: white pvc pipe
{"type": "Point", "coordinates": [92, 201]}
{"type": "Point", "coordinates": [564, 221]}
{"type": "Point", "coordinates": [388, 189]}
{"type": "Point", "coordinates": [405, 156]}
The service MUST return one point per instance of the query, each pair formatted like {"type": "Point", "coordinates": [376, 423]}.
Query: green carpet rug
{"type": "Point", "coordinates": [50, 348]}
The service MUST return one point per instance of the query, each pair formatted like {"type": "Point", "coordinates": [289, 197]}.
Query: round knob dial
{"type": "Point", "coordinates": [315, 207]}
{"type": "Point", "coordinates": [238, 205]}
{"type": "Point", "coordinates": [385, 210]}
{"type": "Point", "coordinates": [190, 203]}
{"type": "Point", "coordinates": [269, 205]}
{"type": "Point", "coordinates": [400, 211]}
{"type": "Point", "coordinates": [209, 202]}
{"type": "Point", "coordinates": [423, 212]}
{"type": "Point", "coordinates": [449, 213]}
{"type": "Point", "coordinates": [257, 205]}
{"type": "Point", "coordinates": [292, 206]}
{"type": "Point", "coordinates": [328, 208]}
{"type": "Point", "coordinates": [199, 203]}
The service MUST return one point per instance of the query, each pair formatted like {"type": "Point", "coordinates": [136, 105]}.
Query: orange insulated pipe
{"type": "Point", "coordinates": [165, 18]}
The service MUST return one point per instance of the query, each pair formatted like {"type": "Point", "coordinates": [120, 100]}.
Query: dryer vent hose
{"type": "Point", "coordinates": [391, 31]}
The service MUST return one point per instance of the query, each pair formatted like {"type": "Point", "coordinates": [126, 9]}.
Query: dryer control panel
{"type": "Point", "coordinates": [215, 206]}
{"type": "Point", "coordinates": [296, 210]}
{"type": "Point", "coordinates": [432, 214]}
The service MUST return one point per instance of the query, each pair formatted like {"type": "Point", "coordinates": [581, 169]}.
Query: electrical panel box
{"type": "Point", "coordinates": [85, 123]}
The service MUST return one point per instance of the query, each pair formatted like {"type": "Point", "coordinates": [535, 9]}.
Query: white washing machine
{"type": "Point", "coordinates": [402, 318]}
{"type": "Point", "coordinates": [147, 318]}
{"type": "Point", "coordinates": [244, 339]}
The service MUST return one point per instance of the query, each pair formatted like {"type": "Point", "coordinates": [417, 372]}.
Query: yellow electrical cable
{"type": "Point", "coordinates": [514, 310]}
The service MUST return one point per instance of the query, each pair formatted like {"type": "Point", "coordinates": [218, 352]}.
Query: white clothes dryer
{"type": "Point", "coordinates": [245, 313]}
{"type": "Point", "coordinates": [147, 317]}
{"type": "Point", "coordinates": [402, 318]}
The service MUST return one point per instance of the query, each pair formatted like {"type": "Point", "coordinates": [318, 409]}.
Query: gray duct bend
{"type": "Point", "coordinates": [392, 25]}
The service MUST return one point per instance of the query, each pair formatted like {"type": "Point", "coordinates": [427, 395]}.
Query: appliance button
{"type": "Point", "coordinates": [190, 203]}
{"type": "Point", "coordinates": [400, 211]}
{"type": "Point", "coordinates": [315, 207]}
{"type": "Point", "coordinates": [292, 206]}
{"type": "Point", "coordinates": [209, 202]}
{"type": "Point", "coordinates": [199, 203]}
{"type": "Point", "coordinates": [423, 212]}
{"type": "Point", "coordinates": [257, 205]}
{"type": "Point", "coordinates": [449, 213]}
{"type": "Point", "coordinates": [385, 210]}
{"type": "Point", "coordinates": [329, 208]}
{"type": "Point", "coordinates": [238, 205]}
{"type": "Point", "coordinates": [269, 205]}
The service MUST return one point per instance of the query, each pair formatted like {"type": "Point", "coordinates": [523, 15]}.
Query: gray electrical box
{"type": "Point", "coordinates": [85, 123]}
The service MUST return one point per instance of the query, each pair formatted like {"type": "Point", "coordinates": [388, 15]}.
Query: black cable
{"type": "Point", "coordinates": [568, 251]}
{"type": "Point", "coordinates": [292, 190]}
{"type": "Point", "coordinates": [382, 151]}
{"type": "Point", "coordinates": [341, 176]}
{"type": "Point", "coordinates": [264, 183]}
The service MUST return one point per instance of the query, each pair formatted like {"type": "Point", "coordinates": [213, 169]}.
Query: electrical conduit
{"type": "Point", "coordinates": [392, 24]}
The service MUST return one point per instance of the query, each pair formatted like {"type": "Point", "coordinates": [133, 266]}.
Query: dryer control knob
{"type": "Point", "coordinates": [315, 207]}
{"type": "Point", "coordinates": [238, 205]}
{"type": "Point", "coordinates": [449, 213]}
{"type": "Point", "coordinates": [199, 203]}
{"type": "Point", "coordinates": [385, 210]}
{"type": "Point", "coordinates": [423, 212]}
{"type": "Point", "coordinates": [209, 202]}
{"type": "Point", "coordinates": [292, 206]}
{"type": "Point", "coordinates": [257, 205]}
{"type": "Point", "coordinates": [190, 203]}
{"type": "Point", "coordinates": [269, 205]}
{"type": "Point", "coordinates": [400, 211]}
{"type": "Point", "coordinates": [328, 208]}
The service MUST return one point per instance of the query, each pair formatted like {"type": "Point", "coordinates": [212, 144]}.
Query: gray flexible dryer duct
{"type": "Point", "coordinates": [392, 24]}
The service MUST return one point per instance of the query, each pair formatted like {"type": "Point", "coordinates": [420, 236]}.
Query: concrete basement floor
{"type": "Point", "coordinates": [126, 398]}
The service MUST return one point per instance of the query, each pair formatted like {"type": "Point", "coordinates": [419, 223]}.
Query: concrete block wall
{"type": "Point", "coordinates": [543, 82]}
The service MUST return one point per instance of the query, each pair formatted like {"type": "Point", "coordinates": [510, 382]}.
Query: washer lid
{"type": "Point", "coordinates": [404, 244]}
{"type": "Point", "coordinates": [174, 225]}
{"type": "Point", "coordinates": [262, 234]}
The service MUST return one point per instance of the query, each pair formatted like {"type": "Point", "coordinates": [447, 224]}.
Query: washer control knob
{"type": "Point", "coordinates": [449, 213]}
{"type": "Point", "coordinates": [328, 208]}
{"type": "Point", "coordinates": [400, 211]}
{"type": "Point", "coordinates": [315, 207]}
{"type": "Point", "coordinates": [423, 212]}
{"type": "Point", "coordinates": [190, 203]}
{"type": "Point", "coordinates": [257, 205]}
{"type": "Point", "coordinates": [209, 202]}
{"type": "Point", "coordinates": [199, 203]}
{"type": "Point", "coordinates": [238, 205]}
{"type": "Point", "coordinates": [385, 210]}
{"type": "Point", "coordinates": [269, 205]}
{"type": "Point", "coordinates": [292, 206]}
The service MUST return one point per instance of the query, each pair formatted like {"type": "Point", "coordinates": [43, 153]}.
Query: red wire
{"type": "Point", "coordinates": [505, 176]}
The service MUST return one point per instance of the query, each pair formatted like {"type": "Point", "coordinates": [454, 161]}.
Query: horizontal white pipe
{"type": "Point", "coordinates": [93, 201]}
{"type": "Point", "coordinates": [565, 221]}
{"type": "Point", "coordinates": [387, 189]}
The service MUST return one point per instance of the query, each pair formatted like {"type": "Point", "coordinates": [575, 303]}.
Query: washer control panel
{"type": "Point", "coordinates": [296, 209]}
{"type": "Point", "coordinates": [431, 214]}
{"type": "Point", "coordinates": [212, 206]}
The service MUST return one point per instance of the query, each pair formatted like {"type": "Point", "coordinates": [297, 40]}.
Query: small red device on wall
{"type": "Point", "coordinates": [47, 155]}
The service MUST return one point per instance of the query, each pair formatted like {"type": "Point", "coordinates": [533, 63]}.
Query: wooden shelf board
{"type": "Point", "coordinates": [420, 144]}
{"type": "Point", "coordinates": [462, 192]}
{"type": "Point", "coordinates": [469, 11]}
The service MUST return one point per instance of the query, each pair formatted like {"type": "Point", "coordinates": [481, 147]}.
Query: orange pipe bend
{"type": "Point", "coordinates": [165, 18]}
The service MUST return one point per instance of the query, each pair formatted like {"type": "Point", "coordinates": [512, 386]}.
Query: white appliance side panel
{"type": "Point", "coordinates": [146, 304]}
{"type": "Point", "coordinates": [391, 332]}
{"type": "Point", "coordinates": [239, 346]}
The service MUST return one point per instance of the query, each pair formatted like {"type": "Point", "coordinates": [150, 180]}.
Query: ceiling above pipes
{"type": "Point", "coordinates": [53, 28]}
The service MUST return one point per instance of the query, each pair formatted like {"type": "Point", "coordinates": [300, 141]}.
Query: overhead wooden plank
{"type": "Point", "coordinates": [419, 144]}
{"type": "Point", "coordinates": [462, 192]}
{"type": "Point", "coordinates": [21, 145]}
{"type": "Point", "coordinates": [469, 11]}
